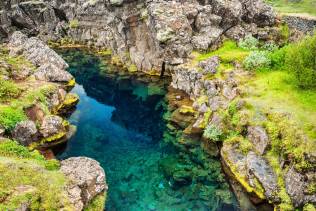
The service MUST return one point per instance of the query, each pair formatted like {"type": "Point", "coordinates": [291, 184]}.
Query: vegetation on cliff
{"type": "Point", "coordinates": [28, 179]}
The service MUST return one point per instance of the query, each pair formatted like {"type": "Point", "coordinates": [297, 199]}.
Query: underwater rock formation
{"type": "Point", "coordinates": [147, 34]}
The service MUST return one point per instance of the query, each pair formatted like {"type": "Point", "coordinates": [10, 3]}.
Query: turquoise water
{"type": "Point", "coordinates": [120, 123]}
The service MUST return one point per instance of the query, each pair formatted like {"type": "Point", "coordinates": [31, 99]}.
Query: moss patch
{"type": "Point", "coordinates": [41, 181]}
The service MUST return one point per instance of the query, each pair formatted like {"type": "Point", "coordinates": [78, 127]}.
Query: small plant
{"type": "Point", "coordinates": [9, 117]}
{"type": "Point", "coordinates": [73, 24]}
{"type": "Point", "coordinates": [257, 59]}
{"type": "Point", "coordinates": [8, 90]}
{"type": "Point", "coordinates": [213, 133]}
{"type": "Point", "coordinates": [270, 46]}
{"type": "Point", "coordinates": [249, 43]}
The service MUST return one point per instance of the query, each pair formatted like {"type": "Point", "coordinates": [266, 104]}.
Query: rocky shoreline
{"type": "Point", "coordinates": [158, 37]}
{"type": "Point", "coordinates": [44, 126]}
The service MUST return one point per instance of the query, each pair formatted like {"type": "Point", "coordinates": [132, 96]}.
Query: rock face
{"type": "Point", "coordinates": [25, 132]}
{"type": "Point", "coordinates": [51, 126]}
{"type": "Point", "coordinates": [259, 138]}
{"type": "Point", "coordinates": [51, 67]}
{"type": "Point", "coordinates": [87, 180]}
{"type": "Point", "coordinates": [148, 34]}
{"type": "Point", "coordinates": [297, 187]}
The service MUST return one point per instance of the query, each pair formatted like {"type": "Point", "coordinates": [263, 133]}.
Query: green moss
{"type": "Point", "coordinates": [20, 167]}
{"type": "Point", "coordinates": [8, 90]}
{"type": "Point", "coordinates": [10, 116]}
{"type": "Point", "coordinates": [213, 133]}
{"type": "Point", "coordinates": [132, 68]}
{"type": "Point", "coordinates": [73, 24]}
{"type": "Point", "coordinates": [229, 52]}
{"type": "Point", "coordinates": [286, 203]}
{"type": "Point", "coordinates": [98, 203]}
{"type": "Point", "coordinates": [105, 52]}
{"type": "Point", "coordinates": [71, 83]}
{"type": "Point", "coordinates": [186, 110]}
{"type": "Point", "coordinates": [309, 207]}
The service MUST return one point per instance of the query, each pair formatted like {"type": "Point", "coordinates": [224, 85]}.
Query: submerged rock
{"type": "Point", "coordinates": [87, 180]}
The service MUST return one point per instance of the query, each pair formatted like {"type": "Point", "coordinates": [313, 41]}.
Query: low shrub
{"type": "Point", "coordinates": [213, 133]}
{"type": "Point", "coordinates": [300, 59]}
{"type": "Point", "coordinates": [10, 116]}
{"type": "Point", "coordinates": [269, 46]}
{"type": "Point", "coordinates": [8, 90]}
{"type": "Point", "coordinates": [249, 43]}
{"type": "Point", "coordinates": [256, 60]}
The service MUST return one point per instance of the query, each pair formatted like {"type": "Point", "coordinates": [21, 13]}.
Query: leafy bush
{"type": "Point", "coordinates": [278, 58]}
{"type": "Point", "coordinates": [9, 117]}
{"type": "Point", "coordinates": [8, 90]}
{"type": "Point", "coordinates": [213, 133]}
{"type": "Point", "coordinates": [249, 43]}
{"type": "Point", "coordinates": [270, 46]}
{"type": "Point", "coordinates": [301, 60]}
{"type": "Point", "coordinates": [257, 59]}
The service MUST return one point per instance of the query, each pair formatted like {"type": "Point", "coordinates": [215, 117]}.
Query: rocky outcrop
{"type": "Point", "coordinates": [148, 34]}
{"type": "Point", "coordinates": [298, 185]}
{"type": "Point", "coordinates": [87, 180]}
{"type": "Point", "coordinates": [25, 132]}
{"type": "Point", "coordinates": [51, 67]}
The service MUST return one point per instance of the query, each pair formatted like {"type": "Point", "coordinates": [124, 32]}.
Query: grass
{"type": "Point", "coordinates": [229, 52]}
{"type": "Point", "coordinates": [8, 90]}
{"type": "Point", "coordinates": [43, 181]}
{"type": "Point", "coordinates": [303, 6]}
{"type": "Point", "coordinates": [276, 91]}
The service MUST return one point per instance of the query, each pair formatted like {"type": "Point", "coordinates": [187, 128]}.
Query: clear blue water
{"type": "Point", "coordinates": [119, 123]}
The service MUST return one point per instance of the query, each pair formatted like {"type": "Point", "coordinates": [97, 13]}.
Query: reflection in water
{"type": "Point", "coordinates": [119, 123]}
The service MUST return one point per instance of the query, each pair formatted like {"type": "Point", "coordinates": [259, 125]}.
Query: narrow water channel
{"type": "Point", "coordinates": [120, 123]}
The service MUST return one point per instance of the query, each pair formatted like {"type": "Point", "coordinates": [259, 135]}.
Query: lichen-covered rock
{"type": "Point", "coordinates": [51, 67]}
{"type": "Point", "coordinates": [210, 65]}
{"type": "Point", "coordinates": [87, 180]}
{"type": "Point", "coordinates": [25, 132]}
{"type": "Point", "coordinates": [259, 138]}
{"type": "Point", "coordinates": [148, 34]}
{"type": "Point", "coordinates": [263, 172]}
{"type": "Point", "coordinates": [297, 185]}
{"type": "Point", "coordinates": [51, 126]}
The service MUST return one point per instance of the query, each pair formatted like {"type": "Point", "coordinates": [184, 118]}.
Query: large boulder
{"type": "Point", "coordinates": [25, 132]}
{"type": "Point", "coordinates": [52, 125]}
{"type": "Point", "coordinates": [87, 180]}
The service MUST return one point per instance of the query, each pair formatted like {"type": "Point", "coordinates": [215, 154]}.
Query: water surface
{"type": "Point", "coordinates": [119, 123]}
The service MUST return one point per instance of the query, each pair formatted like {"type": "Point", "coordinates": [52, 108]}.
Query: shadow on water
{"type": "Point", "coordinates": [119, 123]}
